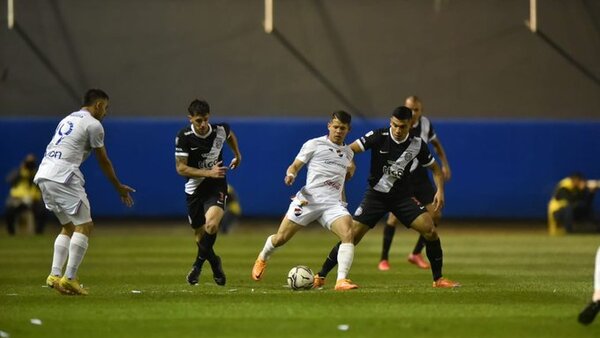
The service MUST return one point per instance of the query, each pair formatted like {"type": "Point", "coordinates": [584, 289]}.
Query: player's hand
{"type": "Point", "coordinates": [124, 192]}
{"type": "Point", "coordinates": [217, 170]}
{"type": "Point", "coordinates": [289, 179]}
{"type": "Point", "coordinates": [235, 163]}
{"type": "Point", "coordinates": [446, 173]}
{"type": "Point", "coordinates": [438, 201]}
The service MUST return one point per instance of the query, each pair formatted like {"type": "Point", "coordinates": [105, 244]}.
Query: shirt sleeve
{"type": "Point", "coordinates": [371, 138]}
{"type": "Point", "coordinates": [181, 145]}
{"type": "Point", "coordinates": [96, 134]}
{"type": "Point", "coordinates": [424, 156]}
{"type": "Point", "coordinates": [227, 130]}
{"type": "Point", "coordinates": [307, 151]}
{"type": "Point", "coordinates": [431, 135]}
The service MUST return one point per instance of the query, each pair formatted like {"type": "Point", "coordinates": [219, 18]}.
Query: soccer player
{"type": "Point", "coordinates": [589, 313]}
{"type": "Point", "coordinates": [199, 158]}
{"type": "Point", "coordinates": [61, 183]}
{"type": "Point", "coordinates": [393, 151]}
{"type": "Point", "coordinates": [329, 162]}
{"type": "Point", "coordinates": [424, 190]}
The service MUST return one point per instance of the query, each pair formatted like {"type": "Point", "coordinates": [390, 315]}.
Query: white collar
{"type": "Point", "coordinates": [401, 141]}
{"type": "Point", "coordinates": [205, 135]}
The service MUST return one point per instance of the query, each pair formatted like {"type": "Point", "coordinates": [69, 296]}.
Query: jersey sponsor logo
{"type": "Point", "coordinates": [333, 184]}
{"type": "Point", "coordinates": [206, 165]}
{"type": "Point", "coordinates": [341, 165]}
{"type": "Point", "coordinates": [393, 170]}
{"type": "Point", "coordinates": [64, 130]}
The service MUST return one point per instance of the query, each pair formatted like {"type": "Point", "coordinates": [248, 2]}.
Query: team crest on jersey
{"type": "Point", "coordinates": [338, 152]}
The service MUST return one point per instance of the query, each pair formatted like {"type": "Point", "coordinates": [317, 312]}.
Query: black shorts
{"type": "Point", "coordinates": [205, 196]}
{"type": "Point", "coordinates": [376, 204]}
{"type": "Point", "coordinates": [424, 190]}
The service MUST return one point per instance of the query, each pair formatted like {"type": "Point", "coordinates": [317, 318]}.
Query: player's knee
{"type": "Point", "coordinates": [211, 227]}
{"type": "Point", "coordinates": [430, 234]}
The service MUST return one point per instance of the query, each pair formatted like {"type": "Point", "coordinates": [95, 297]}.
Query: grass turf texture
{"type": "Point", "coordinates": [515, 284]}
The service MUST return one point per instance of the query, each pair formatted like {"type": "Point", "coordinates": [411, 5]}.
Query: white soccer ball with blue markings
{"type": "Point", "coordinates": [300, 278]}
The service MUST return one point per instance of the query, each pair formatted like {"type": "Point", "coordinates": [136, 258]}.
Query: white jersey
{"type": "Point", "coordinates": [328, 164]}
{"type": "Point", "coordinates": [72, 143]}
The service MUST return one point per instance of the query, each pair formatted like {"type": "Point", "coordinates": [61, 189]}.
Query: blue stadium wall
{"type": "Point", "coordinates": [500, 169]}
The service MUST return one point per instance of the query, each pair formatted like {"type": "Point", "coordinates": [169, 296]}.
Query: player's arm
{"type": "Point", "coordinates": [292, 171]}
{"type": "Point", "coordinates": [237, 156]}
{"type": "Point", "coordinates": [109, 172]}
{"type": "Point", "coordinates": [217, 170]}
{"type": "Point", "coordinates": [439, 150]}
{"type": "Point", "coordinates": [438, 178]}
{"type": "Point", "coordinates": [357, 147]}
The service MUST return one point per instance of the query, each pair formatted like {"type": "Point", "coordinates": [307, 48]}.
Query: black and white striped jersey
{"type": "Point", "coordinates": [202, 152]}
{"type": "Point", "coordinates": [391, 160]}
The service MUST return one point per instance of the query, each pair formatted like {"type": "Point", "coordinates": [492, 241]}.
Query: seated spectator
{"type": "Point", "coordinates": [24, 201]}
{"type": "Point", "coordinates": [571, 203]}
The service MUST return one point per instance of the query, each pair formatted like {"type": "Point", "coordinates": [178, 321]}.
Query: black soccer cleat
{"type": "Point", "coordinates": [589, 313]}
{"type": "Point", "coordinates": [194, 275]}
{"type": "Point", "coordinates": [217, 268]}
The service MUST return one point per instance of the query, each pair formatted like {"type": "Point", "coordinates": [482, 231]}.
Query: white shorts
{"type": "Point", "coordinates": [68, 201]}
{"type": "Point", "coordinates": [324, 213]}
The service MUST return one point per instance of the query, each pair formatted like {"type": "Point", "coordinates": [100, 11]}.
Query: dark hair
{"type": "Point", "coordinates": [199, 107]}
{"type": "Point", "coordinates": [92, 95]}
{"type": "Point", "coordinates": [577, 175]}
{"type": "Point", "coordinates": [402, 113]}
{"type": "Point", "coordinates": [342, 116]}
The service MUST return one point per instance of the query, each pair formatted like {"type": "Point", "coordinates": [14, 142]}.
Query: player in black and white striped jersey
{"type": "Point", "coordinates": [424, 189]}
{"type": "Point", "coordinates": [199, 157]}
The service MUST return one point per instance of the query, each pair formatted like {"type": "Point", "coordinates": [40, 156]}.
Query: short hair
{"type": "Point", "coordinates": [402, 113]}
{"type": "Point", "coordinates": [414, 98]}
{"type": "Point", "coordinates": [342, 116]}
{"type": "Point", "coordinates": [199, 107]}
{"type": "Point", "coordinates": [92, 95]}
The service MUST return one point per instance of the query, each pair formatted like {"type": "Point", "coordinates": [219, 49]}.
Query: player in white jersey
{"type": "Point", "coordinates": [589, 313]}
{"type": "Point", "coordinates": [61, 183]}
{"type": "Point", "coordinates": [329, 162]}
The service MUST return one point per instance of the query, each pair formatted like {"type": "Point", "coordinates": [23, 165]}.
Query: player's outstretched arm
{"type": "Point", "coordinates": [109, 171]}
{"type": "Point", "coordinates": [438, 178]}
{"type": "Point", "coordinates": [292, 172]}
{"type": "Point", "coordinates": [439, 149]}
{"type": "Point", "coordinates": [216, 171]}
{"type": "Point", "coordinates": [233, 144]}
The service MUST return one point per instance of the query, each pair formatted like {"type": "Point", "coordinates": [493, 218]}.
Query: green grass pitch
{"type": "Point", "coordinates": [515, 284]}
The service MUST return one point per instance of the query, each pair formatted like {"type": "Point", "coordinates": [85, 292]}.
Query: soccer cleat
{"type": "Point", "coordinates": [589, 313]}
{"type": "Point", "coordinates": [445, 283]}
{"type": "Point", "coordinates": [194, 275]}
{"type": "Point", "coordinates": [71, 286]}
{"type": "Point", "coordinates": [417, 259]}
{"type": "Point", "coordinates": [217, 269]}
{"type": "Point", "coordinates": [319, 282]}
{"type": "Point", "coordinates": [52, 281]}
{"type": "Point", "coordinates": [258, 269]}
{"type": "Point", "coordinates": [384, 265]}
{"type": "Point", "coordinates": [345, 284]}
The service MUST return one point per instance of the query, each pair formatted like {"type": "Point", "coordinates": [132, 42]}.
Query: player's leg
{"type": "Point", "coordinates": [591, 310]}
{"type": "Point", "coordinates": [424, 225]}
{"type": "Point", "coordinates": [342, 227]}
{"type": "Point", "coordinates": [424, 193]}
{"type": "Point", "coordinates": [213, 217]}
{"type": "Point", "coordinates": [358, 232]}
{"type": "Point", "coordinates": [61, 250]}
{"type": "Point", "coordinates": [388, 236]}
{"type": "Point", "coordinates": [78, 246]}
{"type": "Point", "coordinates": [197, 218]}
{"type": "Point", "coordinates": [287, 230]}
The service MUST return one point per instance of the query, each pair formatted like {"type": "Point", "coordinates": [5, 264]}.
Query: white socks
{"type": "Point", "coordinates": [77, 249]}
{"type": "Point", "coordinates": [345, 257]}
{"type": "Point", "coordinates": [596, 296]}
{"type": "Point", "coordinates": [61, 252]}
{"type": "Point", "coordinates": [267, 250]}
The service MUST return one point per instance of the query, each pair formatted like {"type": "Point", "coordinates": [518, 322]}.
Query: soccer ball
{"type": "Point", "coordinates": [300, 278]}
